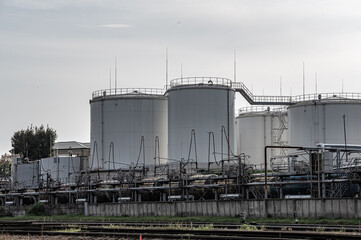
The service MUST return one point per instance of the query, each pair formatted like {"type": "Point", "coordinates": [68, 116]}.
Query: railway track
{"type": "Point", "coordinates": [267, 226]}
{"type": "Point", "coordinates": [171, 231]}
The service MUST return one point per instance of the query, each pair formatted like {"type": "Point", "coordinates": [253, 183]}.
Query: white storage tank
{"type": "Point", "coordinates": [204, 106]}
{"type": "Point", "coordinates": [257, 127]}
{"type": "Point", "coordinates": [321, 121]}
{"type": "Point", "coordinates": [126, 127]}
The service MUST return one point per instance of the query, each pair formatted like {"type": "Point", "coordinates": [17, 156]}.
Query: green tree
{"type": "Point", "coordinates": [5, 165]}
{"type": "Point", "coordinates": [34, 142]}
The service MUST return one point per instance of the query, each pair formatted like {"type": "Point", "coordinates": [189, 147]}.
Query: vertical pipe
{"type": "Point", "coordinates": [311, 172]}
{"type": "Point", "coordinates": [69, 170]}
{"type": "Point", "coordinates": [324, 123]}
{"type": "Point", "coordinates": [115, 75]}
{"type": "Point", "coordinates": [323, 186]}
{"type": "Point", "coordinates": [344, 132]}
{"type": "Point", "coordinates": [187, 191]}
{"type": "Point", "coordinates": [316, 125]}
{"type": "Point", "coordinates": [265, 163]}
{"type": "Point", "coordinates": [102, 127]}
{"type": "Point", "coordinates": [239, 174]}
{"type": "Point", "coordinates": [281, 191]}
{"type": "Point", "coordinates": [265, 175]}
{"type": "Point", "coordinates": [209, 150]}
{"type": "Point", "coordinates": [155, 150]}
{"type": "Point", "coordinates": [319, 174]}
{"type": "Point", "coordinates": [228, 125]}
{"type": "Point", "coordinates": [272, 131]}
{"type": "Point", "coordinates": [226, 189]}
{"type": "Point", "coordinates": [143, 144]}
{"type": "Point", "coordinates": [222, 147]}
{"type": "Point", "coordinates": [57, 169]}
{"type": "Point", "coordinates": [289, 162]}
{"type": "Point", "coordinates": [264, 134]}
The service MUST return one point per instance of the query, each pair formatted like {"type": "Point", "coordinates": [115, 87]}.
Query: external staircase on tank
{"type": "Point", "coordinates": [260, 100]}
{"type": "Point", "coordinates": [288, 100]}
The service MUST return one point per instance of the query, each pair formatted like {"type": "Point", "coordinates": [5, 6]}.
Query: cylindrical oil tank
{"type": "Point", "coordinates": [128, 127]}
{"type": "Point", "coordinates": [257, 127]}
{"type": "Point", "coordinates": [201, 119]}
{"type": "Point", "coordinates": [322, 121]}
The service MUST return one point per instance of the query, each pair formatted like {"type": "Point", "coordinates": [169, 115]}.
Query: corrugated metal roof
{"type": "Point", "coordinates": [70, 145]}
{"type": "Point", "coordinates": [87, 144]}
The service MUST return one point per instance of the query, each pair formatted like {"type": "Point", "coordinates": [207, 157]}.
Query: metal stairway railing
{"type": "Point", "coordinates": [260, 100]}
{"type": "Point", "coordinates": [257, 191]}
{"type": "Point", "coordinates": [340, 188]}
{"type": "Point", "coordinates": [288, 100]}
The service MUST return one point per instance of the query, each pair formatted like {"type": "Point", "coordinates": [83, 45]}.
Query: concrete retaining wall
{"type": "Point", "coordinates": [282, 208]}
{"type": "Point", "coordinates": [201, 208]}
{"type": "Point", "coordinates": [57, 209]}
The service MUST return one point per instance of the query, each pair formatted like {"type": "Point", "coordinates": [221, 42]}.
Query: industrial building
{"type": "Point", "coordinates": [185, 143]}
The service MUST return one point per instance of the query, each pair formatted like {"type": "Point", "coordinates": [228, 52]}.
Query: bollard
{"type": "Point", "coordinates": [243, 217]}
{"type": "Point", "coordinates": [86, 213]}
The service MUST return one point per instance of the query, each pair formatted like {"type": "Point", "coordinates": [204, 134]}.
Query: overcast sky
{"type": "Point", "coordinates": [55, 53]}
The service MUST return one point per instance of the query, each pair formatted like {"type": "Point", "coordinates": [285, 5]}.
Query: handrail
{"type": "Point", "coordinates": [325, 96]}
{"type": "Point", "coordinates": [123, 91]}
{"type": "Point", "coordinates": [251, 109]}
{"type": "Point", "coordinates": [237, 86]}
{"type": "Point", "coordinates": [217, 81]}
{"type": "Point", "coordinates": [288, 100]}
{"type": "Point", "coordinates": [261, 100]}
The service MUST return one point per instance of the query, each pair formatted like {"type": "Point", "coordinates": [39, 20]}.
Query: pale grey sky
{"type": "Point", "coordinates": [55, 53]}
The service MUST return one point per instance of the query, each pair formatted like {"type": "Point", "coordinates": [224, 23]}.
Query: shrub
{"type": "Point", "coordinates": [37, 209]}
{"type": "Point", "coordinates": [246, 227]}
{"type": "Point", "coordinates": [3, 213]}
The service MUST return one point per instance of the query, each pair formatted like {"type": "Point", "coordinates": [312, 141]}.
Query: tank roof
{"type": "Point", "coordinates": [127, 92]}
{"type": "Point", "coordinates": [327, 98]}
{"type": "Point", "coordinates": [201, 81]}
{"type": "Point", "coordinates": [260, 110]}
